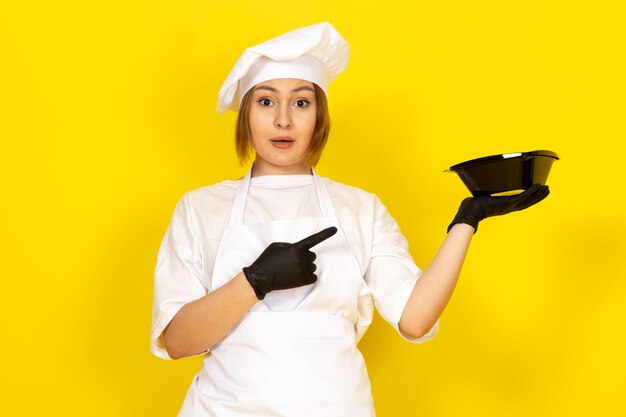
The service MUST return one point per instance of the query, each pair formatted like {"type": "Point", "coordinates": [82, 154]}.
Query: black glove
{"type": "Point", "coordinates": [475, 209]}
{"type": "Point", "coordinates": [285, 265]}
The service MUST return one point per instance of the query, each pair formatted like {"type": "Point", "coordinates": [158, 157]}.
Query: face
{"type": "Point", "coordinates": [282, 119]}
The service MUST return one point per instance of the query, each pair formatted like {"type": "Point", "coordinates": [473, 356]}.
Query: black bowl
{"type": "Point", "coordinates": [505, 172]}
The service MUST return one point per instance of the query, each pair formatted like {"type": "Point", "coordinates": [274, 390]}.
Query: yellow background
{"type": "Point", "coordinates": [107, 116]}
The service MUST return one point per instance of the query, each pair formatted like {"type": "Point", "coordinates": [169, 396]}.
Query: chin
{"type": "Point", "coordinates": [285, 162]}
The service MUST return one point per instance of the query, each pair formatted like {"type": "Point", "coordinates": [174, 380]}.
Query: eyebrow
{"type": "Point", "coordinates": [295, 90]}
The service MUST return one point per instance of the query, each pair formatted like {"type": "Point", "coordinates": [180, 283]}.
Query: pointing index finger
{"type": "Point", "coordinates": [316, 238]}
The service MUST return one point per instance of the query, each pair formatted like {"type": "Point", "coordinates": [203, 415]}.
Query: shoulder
{"type": "Point", "coordinates": [208, 204]}
{"type": "Point", "coordinates": [215, 195]}
{"type": "Point", "coordinates": [206, 209]}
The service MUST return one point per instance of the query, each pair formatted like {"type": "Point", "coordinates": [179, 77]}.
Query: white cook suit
{"type": "Point", "coordinates": [259, 368]}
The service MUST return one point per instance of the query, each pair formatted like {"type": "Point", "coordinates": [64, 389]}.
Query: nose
{"type": "Point", "coordinates": [283, 117]}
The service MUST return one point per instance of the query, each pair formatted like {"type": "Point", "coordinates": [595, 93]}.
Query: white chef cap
{"type": "Point", "coordinates": [314, 53]}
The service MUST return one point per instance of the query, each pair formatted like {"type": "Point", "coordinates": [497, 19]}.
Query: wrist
{"type": "Point", "coordinates": [462, 220]}
{"type": "Point", "coordinates": [257, 281]}
{"type": "Point", "coordinates": [244, 286]}
{"type": "Point", "coordinates": [462, 228]}
{"type": "Point", "coordinates": [469, 213]}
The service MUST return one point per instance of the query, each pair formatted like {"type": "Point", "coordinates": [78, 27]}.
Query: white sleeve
{"type": "Point", "coordinates": [179, 273]}
{"type": "Point", "coordinates": [392, 273]}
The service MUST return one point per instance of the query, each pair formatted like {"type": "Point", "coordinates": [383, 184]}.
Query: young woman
{"type": "Point", "coordinates": [274, 277]}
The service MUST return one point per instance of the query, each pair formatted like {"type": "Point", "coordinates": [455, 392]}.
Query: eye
{"type": "Point", "coordinates": [265, 102]}
{"type": "Point", "coordinates": [302, 103]}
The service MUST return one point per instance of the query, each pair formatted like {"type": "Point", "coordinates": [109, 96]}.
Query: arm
{"type": "Point", "coordinates": [200, 324]}
{"type": "Point", "coordinates": [436, 284]}
{"type": "Point", "coordinates": [216, 314]}
{"type": "Point", "coordinates": [433, 290]}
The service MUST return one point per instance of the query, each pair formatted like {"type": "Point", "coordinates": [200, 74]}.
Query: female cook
{"type": "Point", "coordinates": [274, 277]}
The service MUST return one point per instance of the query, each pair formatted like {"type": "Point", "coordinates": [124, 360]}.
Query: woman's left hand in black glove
{"type": "Point", "coordinates": [475, 209]}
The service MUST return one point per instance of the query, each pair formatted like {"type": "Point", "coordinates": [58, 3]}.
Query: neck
{"type": "Point", "coordinates": [259, 169]}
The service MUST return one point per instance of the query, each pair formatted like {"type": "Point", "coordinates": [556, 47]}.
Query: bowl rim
{"type": "Point", "coordinates": [503, 156]}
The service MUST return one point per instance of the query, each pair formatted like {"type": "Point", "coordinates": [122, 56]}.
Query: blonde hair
{"type": "Point", "coordinates": [243, 142]}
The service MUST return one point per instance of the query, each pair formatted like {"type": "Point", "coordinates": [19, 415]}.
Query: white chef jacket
{"type": "Point", "coordinates": [187, 253]}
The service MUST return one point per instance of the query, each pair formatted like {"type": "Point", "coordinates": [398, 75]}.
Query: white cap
{"type": "Point", "coordinates": [314, 53]}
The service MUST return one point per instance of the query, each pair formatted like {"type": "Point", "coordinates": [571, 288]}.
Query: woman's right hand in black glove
{"type": "Point", "coordinates": [285, 265]}
{"type": "Point", "coordinates": [475, 209]}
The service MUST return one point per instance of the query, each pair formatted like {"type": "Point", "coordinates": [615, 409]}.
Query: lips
{"type": "Point", "coordinates": [282, 139]}
{"type": "Point", "coordinates": [282, 142]}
